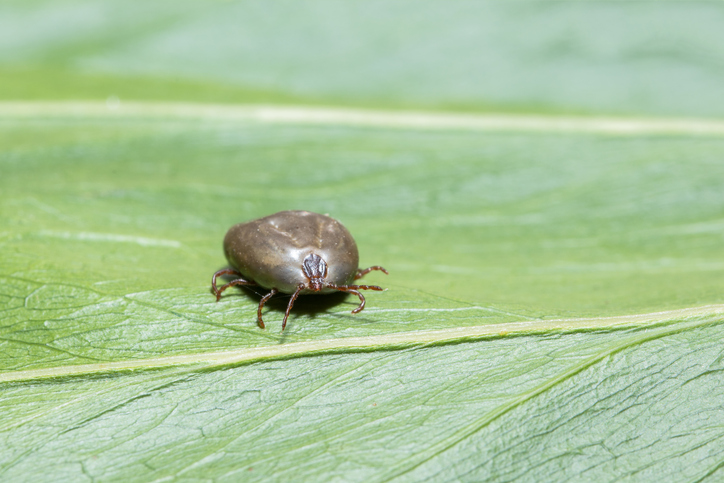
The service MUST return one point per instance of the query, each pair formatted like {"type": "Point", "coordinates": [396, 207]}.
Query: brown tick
{"type": "Point", "coordinates": [293, 252]}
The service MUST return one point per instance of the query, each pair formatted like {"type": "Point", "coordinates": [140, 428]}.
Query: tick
{"type": "Point", "coordinates": [293, 252]}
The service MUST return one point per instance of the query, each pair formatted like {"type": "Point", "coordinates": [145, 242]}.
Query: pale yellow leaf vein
{"type": "Point", "coordinates": [288, 114]}
{"type": "Point", "coordinates": [371, 343]}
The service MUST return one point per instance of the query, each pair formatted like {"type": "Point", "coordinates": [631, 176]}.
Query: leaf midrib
{"type": "Point", "coordinates": [396, 341]}
{"type": "Point", "coordinates": [337, 116]}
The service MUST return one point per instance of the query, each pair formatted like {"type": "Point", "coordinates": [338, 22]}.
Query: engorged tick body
{"type": "Point", "coordinates": [293, 252]}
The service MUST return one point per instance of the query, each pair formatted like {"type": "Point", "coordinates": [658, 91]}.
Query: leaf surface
{"type": "Point", "coordinates": [554, 305]}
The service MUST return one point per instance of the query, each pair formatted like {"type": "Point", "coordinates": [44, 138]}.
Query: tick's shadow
{"type": "Point", "coordinates": [309, 304]}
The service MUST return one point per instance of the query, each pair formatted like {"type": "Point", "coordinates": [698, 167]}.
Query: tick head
{"type": "Point", "coordinates": [315, 269]}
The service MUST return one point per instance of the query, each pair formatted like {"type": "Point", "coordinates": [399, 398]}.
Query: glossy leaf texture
{"type": "Point", "coordinates": [554, 308]}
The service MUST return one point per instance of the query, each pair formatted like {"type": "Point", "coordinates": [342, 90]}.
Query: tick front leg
{"type": "Point", "coordinates": [261, 305]}
{"type": "Point", "coordinates": [354, 289]}
{"type": "Point", "coordinates": [361, 273]}
{"type": "Point", "coordinates": [225, 271]}
{"type": "Point", "coordinates": [361, 301]}
{"type": "Point", "coordinates": [300, 287]}
{"type": "Point", "coordinates": [344, 288]}
{"type": "Point", "coordinates": [238, 281]}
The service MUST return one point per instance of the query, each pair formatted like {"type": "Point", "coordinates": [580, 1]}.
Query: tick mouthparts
{"type": "Point", "coordinates": [315, 268]}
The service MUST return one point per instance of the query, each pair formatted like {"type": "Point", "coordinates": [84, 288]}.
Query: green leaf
{"type": "Point", "coordinates": [554, 306]}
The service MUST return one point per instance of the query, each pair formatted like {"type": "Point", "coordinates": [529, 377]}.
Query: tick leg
{"type": "Point", "coordinates": [261, 305]}
{"type": "Point", "coordinates": [346, 288]}
{"type": "Point", "coordinates": [361, 301]}
{"type": "Point", "coordinates": [238, 281]}
{"type": "Point", "coordinates": [300, 287]}
{"type": "Point", "coordinates": [361, 273]}
{"type": "Point", "coordinates": [354, 289]}
{"type": "Point", "coordinates": [225, 271]}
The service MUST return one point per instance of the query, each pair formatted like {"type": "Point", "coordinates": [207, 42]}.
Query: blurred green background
{"type": "Point", "coordinates": [583, 57]}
